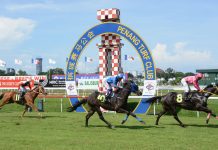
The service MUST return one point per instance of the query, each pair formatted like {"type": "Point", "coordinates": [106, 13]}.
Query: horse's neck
{"type": "Point", "coordinates": [125, 93]}
{"type": "Point", "coordinates": [34, 93]}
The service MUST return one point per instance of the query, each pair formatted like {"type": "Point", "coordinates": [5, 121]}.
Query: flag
{"type": "Point", "coordinates": [129, 58]}
{"type": "Point", "coordinates": [88, 59]}
{"type": "Point", "coordinates": [2, 63]}
{"type": "Point", "coordinates": [18, 62]}
{"type": "Point", "coordinates": [36, 61]}
{"type": "Point", "coordinates": [51, 61]}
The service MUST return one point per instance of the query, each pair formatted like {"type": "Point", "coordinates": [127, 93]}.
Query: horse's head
{"type": "Point", "coordinates": [41, 89]}
{"type": "Point", "coordinates": [210, 90]}
{"type": "Point", "coordinates": [132, 86]}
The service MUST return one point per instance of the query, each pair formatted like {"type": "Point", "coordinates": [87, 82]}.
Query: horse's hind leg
{"type": "Point", "coordinates": [90, 113]}
{"type": "Point", "coordinates": [159, 115]}
{"type": "Point", "coordinates": [102, 118]}
{"type": "Point", "coordinates": [177, 118]}
{"type": "Point", "coordinates": [4, 101]}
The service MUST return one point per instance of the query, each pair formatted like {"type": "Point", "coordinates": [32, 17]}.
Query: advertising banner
{"type": "Point", "coordinates": [149, 87]}
{"type": "Point", "coordinates": [11, 82]}
{"type": "Point", "coordinates": [88, 83]}
{"type": "Point", "coordinates": [71, 88]}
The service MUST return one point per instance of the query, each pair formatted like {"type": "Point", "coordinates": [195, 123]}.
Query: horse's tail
{"type": "Point", "coordinates": [77, 104]}
{"type": "Point", "coordinates": [154, 99]}
{"type": "Point", "coordinates": [1, 96]}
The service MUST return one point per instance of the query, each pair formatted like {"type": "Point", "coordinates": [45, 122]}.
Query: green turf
{"type": "Point", "coordinates": [66, 131]}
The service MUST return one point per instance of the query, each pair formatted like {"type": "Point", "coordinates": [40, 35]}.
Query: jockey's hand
{"type": "Point", "coordinates": [200, 91]}
{"type": "Point", "coordinates": [115, 89]}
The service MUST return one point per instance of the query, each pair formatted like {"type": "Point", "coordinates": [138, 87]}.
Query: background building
{"type": "Point", "coordinates": [211, 76]}
{"type": "Point", "coordinates": [38, 62]}
{"type": "Point", "coordinates": [10, 71]}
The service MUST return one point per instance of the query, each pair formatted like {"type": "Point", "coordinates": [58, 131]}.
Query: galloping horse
{"type": "Point", "coordinates": [118, 102]}
{"type": "Point", "coordinates": [29, 97]}
{"type": "Point", "coordinates": [197, 102]}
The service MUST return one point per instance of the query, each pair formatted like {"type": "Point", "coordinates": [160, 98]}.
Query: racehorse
{"type": "Point", "coordinates": [117, 103]}
{"type": "Point", "coordinates": [29, 97]}
{"type": "Point", "coordinates": [197, 102]}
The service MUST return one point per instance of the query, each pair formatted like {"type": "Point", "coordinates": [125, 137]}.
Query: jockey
{"type": "Point", "coordinates": [22, 88]}
{"type": "Point", "coordinates": [111, 82]}
{"type": "Point", "coordinates": [186, 81]}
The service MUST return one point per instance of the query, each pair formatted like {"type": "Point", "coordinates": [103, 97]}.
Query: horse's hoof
{"type": "Point", "coordinates": [142, 122]}
{"type": "Point", "coordinates": [112, 127]}
{"type": "Point", "coordinates": [182, 125]}
{"type": "Point", "coordinates": [123, 122]}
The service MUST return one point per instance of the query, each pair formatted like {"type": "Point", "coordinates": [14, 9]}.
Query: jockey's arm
{"type": "Point", "coordinates": [196, 85]}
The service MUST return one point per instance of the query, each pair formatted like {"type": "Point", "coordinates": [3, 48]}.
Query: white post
{"type": "Point", "coordinates": [61, 105]}
{"type": "Point", "coordinates": [198, 114]}
{"type": "Point", "coordinates": [154, 110]}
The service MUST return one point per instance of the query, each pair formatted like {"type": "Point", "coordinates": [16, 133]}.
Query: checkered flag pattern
{"type": "Point", "coordinates": [108, 14]}
{"type": "Point", "coordinates": [110, 39]}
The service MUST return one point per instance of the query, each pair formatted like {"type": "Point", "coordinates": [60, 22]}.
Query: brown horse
{"type": "Point", "coordinates": [29, 97]}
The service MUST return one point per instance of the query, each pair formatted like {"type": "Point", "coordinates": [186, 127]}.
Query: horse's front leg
{"type": "Point", "coordinates": [25, 110]}
{"type": "Point", "coordinates": [208, 111]}
{"type": "Point", "coordinates": [34, 108]}
{"type": "Point", "coordinates": [121, 110]}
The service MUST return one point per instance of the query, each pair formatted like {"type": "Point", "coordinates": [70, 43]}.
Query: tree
{"type": "Point", "coordinates": [21, 73]}
{"type": "Point", "coordinates": [2, 73]}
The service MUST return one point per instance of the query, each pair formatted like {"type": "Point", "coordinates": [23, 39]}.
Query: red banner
{"type": "Point", "coordinates": [11, 84]}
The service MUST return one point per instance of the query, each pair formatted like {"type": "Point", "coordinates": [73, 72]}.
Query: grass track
{"type": "Point", "coordinates": [66, 131]}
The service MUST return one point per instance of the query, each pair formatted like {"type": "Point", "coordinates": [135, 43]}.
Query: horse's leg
{"type": "Point", "coordinates": [25, 110]}
{"type": "Point", "coordinates": [34, 108]}
{"type": "Point", "coordinates": [205, 109]}
{"type": "Point", "coordinates": [121, 110]}
{"type": "Point", "coordinates": [159, 115]}
{"type": "Point", "coordinates": [90, 113]}
{"type": "Point", "coordinates": [176, 117]}
{"type": "Point", "coordinates": [127, 115]}
{"type": "Point", "coordinates": [4, 101]}
{"type": "Point", "coordinates": [102, 118]}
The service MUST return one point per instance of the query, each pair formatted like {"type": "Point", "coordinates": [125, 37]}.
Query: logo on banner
{"type": "Point", "coordinates": [149, 87]}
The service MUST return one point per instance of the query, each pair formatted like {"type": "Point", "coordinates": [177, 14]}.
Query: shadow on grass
{"type": "Point", "coordinates": [125, 127]}
{"type": "Point", "coordinates": [196, 125]}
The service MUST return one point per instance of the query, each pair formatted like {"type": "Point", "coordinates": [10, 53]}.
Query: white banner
{"type": "Point", "coordinates": [88, 83]}
{"type": "Point", "coordinates": [71, 88]}
{"type": "Point", "coordinates": [149, 87]}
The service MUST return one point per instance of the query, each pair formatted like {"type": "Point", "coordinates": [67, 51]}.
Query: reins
{"type": "Point", "coordinates": [210, 92]}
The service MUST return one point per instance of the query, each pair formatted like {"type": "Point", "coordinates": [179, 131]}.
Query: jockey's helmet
{"type": "Point", "coordinates": [120, 75]}
{"type": "Point", "coordinates": [199, 75]}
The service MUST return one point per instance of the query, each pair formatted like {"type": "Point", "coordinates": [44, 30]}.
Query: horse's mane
{"type": "Point", "coordinates": [208, 86]}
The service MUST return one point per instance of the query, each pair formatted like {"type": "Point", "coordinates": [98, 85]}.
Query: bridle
{"type": "Point", "coordinates": [40, 91]}
{"type": "Point", "coordinates": [210, 92]}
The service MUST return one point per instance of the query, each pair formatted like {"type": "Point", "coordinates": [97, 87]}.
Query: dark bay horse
{"type": "Point", "coordinates": [29, 97]}
{"type": "Point", "coordinates": [118, 102]}
{"type": "Point", "coordinates": [197, 102]}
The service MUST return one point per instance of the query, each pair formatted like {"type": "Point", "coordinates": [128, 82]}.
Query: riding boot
{"type": "Point", "coordinates": [107, 98]}
{"type": "Point", "coordinates": [22, 97]}
{"type": "Point", "coordinates": [186, 97]}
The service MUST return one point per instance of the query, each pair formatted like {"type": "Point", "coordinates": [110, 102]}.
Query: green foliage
{"type": "Point", "coordinates": [2, 72]}
{"type": "Point", "coordinates": [21, 73]}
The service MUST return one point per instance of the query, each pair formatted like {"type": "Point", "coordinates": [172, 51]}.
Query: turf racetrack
{"type": "Point", "coordinates": [66, 131]}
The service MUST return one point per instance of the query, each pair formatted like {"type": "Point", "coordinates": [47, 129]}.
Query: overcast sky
{"type": "Point", "coordinates": [182, 34]}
